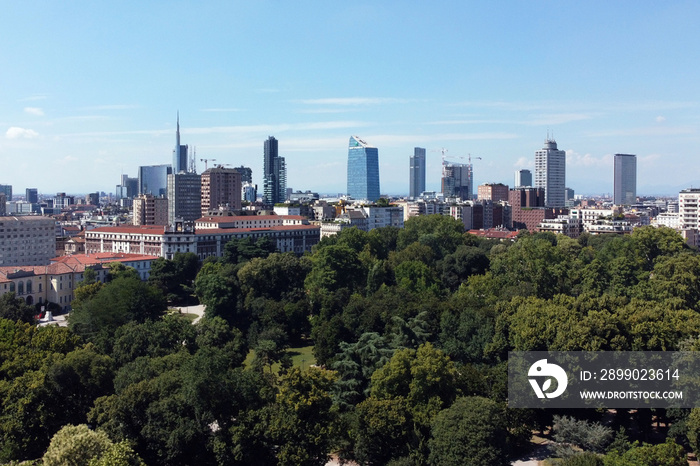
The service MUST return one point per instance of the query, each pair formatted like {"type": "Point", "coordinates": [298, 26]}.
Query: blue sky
{"type": "Point", "coordinates": [90, 90]}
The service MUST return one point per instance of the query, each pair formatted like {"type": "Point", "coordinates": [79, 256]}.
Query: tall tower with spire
{"type": "Point", "coordinates": [180, 152]}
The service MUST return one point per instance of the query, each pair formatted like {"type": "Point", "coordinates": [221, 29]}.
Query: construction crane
{"type": "Point", "coordinates": [205, 162]}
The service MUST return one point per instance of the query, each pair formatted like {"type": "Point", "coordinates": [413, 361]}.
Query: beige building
{"type": "Point", "coordinates": [55, 283]}
{"type": "Point", "coordinates": [149, 210]}
{"type": "Point", "coordinates": [27, 240]}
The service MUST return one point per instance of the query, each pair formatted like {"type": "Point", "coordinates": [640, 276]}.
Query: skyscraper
{"type": "Point", "coordinates": [550, 173]}
{"type": "Point", "coordinates": [625, 182]}
{"type": "Point", "coordinates": [274, 173]}
{"type": "Point", "coordinates": [417, 173]}
{"type": "Point", "coordinates": [363, 170]}
{"type": "Point", "coordinates": [180, 152]}
{"type": "Point", "coordinates": [457, 180]}
{"type": "Point", "coordinates": [523, 178]}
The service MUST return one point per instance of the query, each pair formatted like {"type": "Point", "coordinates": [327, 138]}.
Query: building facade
{"type": "Point", "coordinates": [153, 179]}
{"type": "Point", "coordinates": [363, 170]}
{"type": "Point", "coordinates": [550, 173]}
{"type": "Point", "coordinates": [417, 173]}
{"type": "Point", "coordinates": [150, 210]}
{"type": "Point", "coordinates": [184, 197]}
{"type": "Point", "coordinates": [274, 173]}
{"type": "Point", "coordinates": [492, 192]}
{"type": "Point", "coordinates": [625, 179]}
{"type": "Point", "coordinates": [457, 180]}
{"type": "Point", "coordinates": [27, 240]}
{"type": "Point", "coordinates": [523, 178]}
{"type": "Point", "coordinates": [221, 189]}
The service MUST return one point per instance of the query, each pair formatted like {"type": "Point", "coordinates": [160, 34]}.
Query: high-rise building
{"type": "Point", "coordinates": [246, 174]}
{"type": "Point", "coordinates": [417, 173]}
{"type": "Point", "coordinates": [180, 152]}
{"type": "Point", "coordinates": [150, 210]}
{"type": "Point", "coordinates": [31, 195]}
{"type": "Point", "coordinates": [128, 188]}
{"type": "Point", "coordinates": [523, 178]}
{"type": "Point", "coordinates": [457, 180]}
{"type": "Point", "coordinates": [363, 170]}
{"type": "Point", "coordinates": [27, 240]}
{"type": "Point", "coordinates": [184, 197]}
{"type": "Point", "coordinates": [3, 204]}
{"type": "Point", "coordinates": [625, 182]}
{"type": "Point", "coordinates": [153, 179]}
{"type": "Point", "coordinates": [7, 189]}
{"type": "Point", "coordinates": [274, 173]}
{"type": "Point", "coordinates": [93, 199]}
{"type": "Point", "coordinates": [221, 188]}
{"type": "Point", "coordinates": [550, 173]}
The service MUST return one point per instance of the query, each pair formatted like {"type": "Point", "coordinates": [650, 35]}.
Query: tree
{"type": "Point", "coordinates": [302, 419]}
{"type": "Point", "coordinates": [473, 431]}
{"type": "Point", "coordinates": [240, 250]}
{"type": "Point", "coordinates": [14, 308]}
{"type": "Point", "coordinates": [460, 265]}
{"type": "Point", "coordinates": [76, 446]}
{"type": "Point", "coordinates": [334, 267]}
{"type": "Point", "coordinates": [383, 431]}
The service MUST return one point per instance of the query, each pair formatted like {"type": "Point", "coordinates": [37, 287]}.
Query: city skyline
{"type": "Point", "coordinates": [85, 103]}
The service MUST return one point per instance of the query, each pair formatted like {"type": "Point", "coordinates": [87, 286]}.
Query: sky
{"type": "Point", "coordinates": [91, 90]}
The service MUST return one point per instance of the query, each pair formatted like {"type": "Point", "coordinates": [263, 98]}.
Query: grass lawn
{"type": "Point", "coordinates": [302, 357]}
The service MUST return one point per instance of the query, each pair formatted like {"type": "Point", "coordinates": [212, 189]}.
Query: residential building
{"type": "Point", "coordinates": [492, 192]}
{"type": "Point", "coordinates": [417, 173]}
{"type": "Point", "coordinates": [625, 179]}
{"type": "Point", "coordinates": [457, 180]}
{"type": "Point", "coordinates": [563, 224]}
{"type": "Point", "coordinates": [363, 170]}
{"type": "Point", "coordinates": [274, 173]}
{"type": "Point", "coordinates": [688, 202]}
{"type": "Point", "coordinates": [550, 173]}
{"type": "Point", "coordinates": [153, 179]}
{"type": "Point", "coordinates": [523, 178]}
{"type": "Point", "coordinates": [27, 240]}
{"type": "Point", "coordinates": [184, 197]}
{"type": "Point", "coordinates": [221, 189]}
{"type": "Point", "coordinates": [150, 210]}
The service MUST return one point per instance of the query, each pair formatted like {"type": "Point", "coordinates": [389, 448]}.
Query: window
{"type": "Point", "coordinates": [20, 288]}
{"type": "Point", "coordinates": [29, 287]}
{"type": "Point", "coordinates": [12, 287]}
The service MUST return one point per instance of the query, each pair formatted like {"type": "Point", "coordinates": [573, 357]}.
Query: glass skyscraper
{"type": "Point", "coordinates": [417, 173]}
{"type": "Point", "coordinates": [153, 179]}
{"type": "Point", "coordinates": [625, 181]}
{"type": "Point", "coordinates": [274, 174]}
{"type": "Point", "coordinates": [363, 170]}
{"type": "Point", "coordinates": [179, 153]}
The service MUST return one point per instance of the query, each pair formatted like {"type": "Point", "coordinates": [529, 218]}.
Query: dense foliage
{"type": "Point", "coordinates": [410, 331]}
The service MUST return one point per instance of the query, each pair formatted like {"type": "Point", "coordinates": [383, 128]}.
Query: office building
{"type": "Point", "coordinates": [153, 179]}
{"type": "Point", "coordinates": [457, 180]}
{"type": "Point", "coordinates": [7, 190]}
{"type": "Point", "coordinates": [179, 153]}
{"type": "Point", "coordinates": [363, 170]}
{"type": "Point", "coordinates": [550, 173]}
{"type": "Point", "coordinates": [274, 173]}
{"type": "Point", "coordinates": [625, 180]}
{"type": "Point", "coordinates": [93, 199]}
{"type": "Point", "coordinates": [32, 195]}
{"type": "Point", "coordinates": [28, 240]}
{"type": "Point", "coordinates": [184, 197]}
{"type": "Point", "coordinates": [150, 210]}
{"type": "Point", "coordinates": [417, 173]}
{"type": "Point", "coordinates": [523, 178]}
{"type": "Point", "coordinates": [221, 189]}
{"type": "Point", "coordinates": [492, 192]}
{"type": "Point", "coordinates": [3, 204]}
{"type": "Point", "coordinates": [128, 188]}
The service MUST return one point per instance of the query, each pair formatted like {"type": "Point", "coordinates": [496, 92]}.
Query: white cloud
{"type": "Point", "coordinates": [113, 107]}
{"type": "Point", "coordinates": [220, 110]}
{"type": "Point", "coordinates": [574, 159]}
{"type": "Point", "coordinates": [660, 119]}
{"type": "Point", "coordinates": [556, 118]}
{"type": "Point", "coordinates": [16, 132]}
{"type": "Point", "coordinates": [524, 162]}
{"type": "Point", "coordinates": [66, 160]}
{"type": "Point", "coordinates": [34, 111]}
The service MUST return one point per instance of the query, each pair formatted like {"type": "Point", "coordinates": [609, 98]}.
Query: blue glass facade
{"type": "Point", "coordinates": [153, 179]}
{"type": "Point", "coordinates": [363, 170]}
